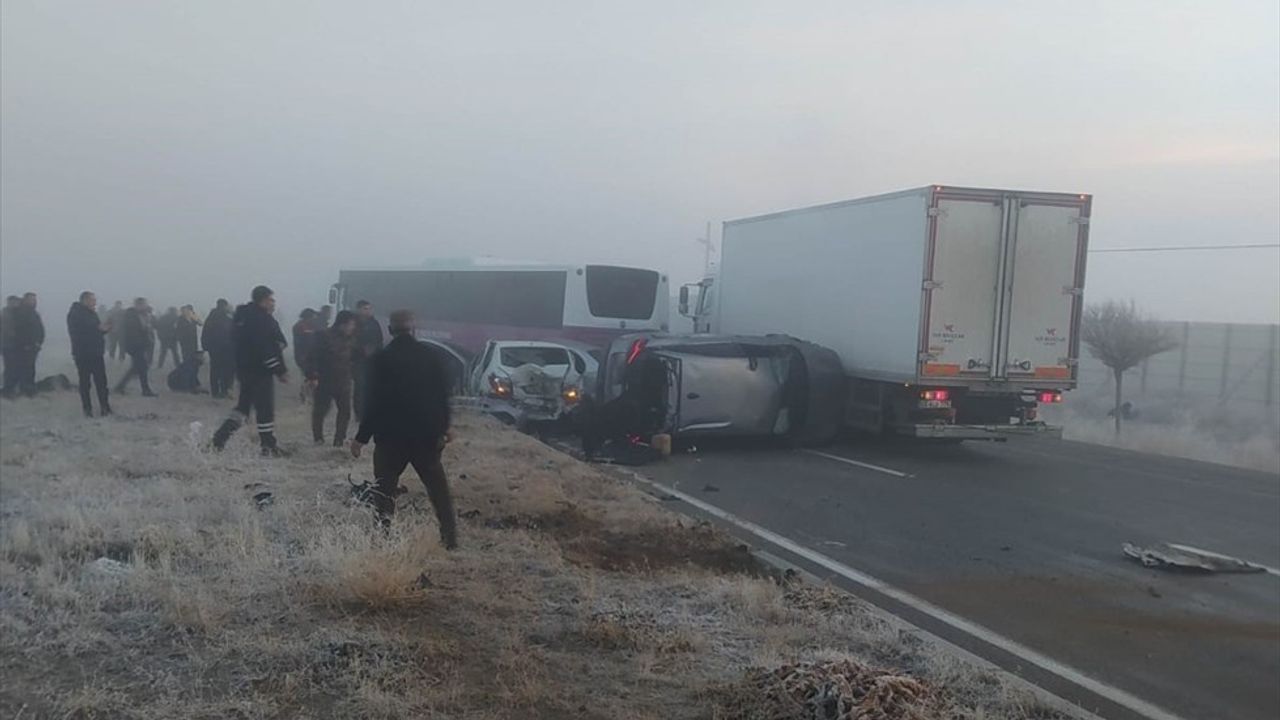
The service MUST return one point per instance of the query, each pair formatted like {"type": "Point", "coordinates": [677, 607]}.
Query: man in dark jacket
{"type": "Point", "coordinates": [25, 341]}
{"type": "Point", "coordinates": [259, 345]}
{"type": "Point", "coordinates": [137, 340]}
{"type": "Point", "coordinates": [304, 334]}
{"type": "Point", "coordinates": [407, 415]}
{"type": "Point", "coordinates": [328, 369]}
{"type": "Point", "coordinates": [166, 327]}
{"type": "Point", "coordinates": [115, 318]}
{"type": "Point", "coordinates": [188, 332]}
{"type": "Point", "coordinates": [368, 342]}
{"type": "Point", "coordinates": [322, 318]}
{"type": "Point", "coordinates": [216, 339]}
{"type": "Point", "coordinates": [7, 347]}
{"type": "Point", "coordinates": [87, 347]}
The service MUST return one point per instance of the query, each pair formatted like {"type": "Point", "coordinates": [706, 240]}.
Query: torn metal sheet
{"type": "Point", "coordinates": [1167, 557]}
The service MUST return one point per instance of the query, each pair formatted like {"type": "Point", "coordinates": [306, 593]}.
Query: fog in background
{"type": "Point", "coordinates": [190, 150]}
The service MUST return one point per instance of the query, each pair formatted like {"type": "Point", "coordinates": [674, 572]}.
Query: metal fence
{"type": "Point", "coordinates": [1224, 363]}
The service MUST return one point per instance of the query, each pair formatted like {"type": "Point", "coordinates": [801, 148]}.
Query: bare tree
{"type": "Point", "coordinates": [1121, 336]}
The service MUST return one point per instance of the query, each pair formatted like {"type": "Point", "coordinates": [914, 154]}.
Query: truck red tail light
{"type": "Point", "coordinates": [939, 395]}
{"type": "Point", "coordinates": [1048, 397]}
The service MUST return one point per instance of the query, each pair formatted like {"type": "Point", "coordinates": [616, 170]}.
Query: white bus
{"type": "Point", "coordinates": [469, 304]}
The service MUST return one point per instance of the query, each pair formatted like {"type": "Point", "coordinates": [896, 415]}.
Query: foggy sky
{"type": "Point", "coordinates": [190, 150]}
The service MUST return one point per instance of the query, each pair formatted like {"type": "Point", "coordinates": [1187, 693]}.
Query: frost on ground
{"type": "Point", "coordinates": [140, 578]}
{"type": "Point", "coordinates": [1226, 435]}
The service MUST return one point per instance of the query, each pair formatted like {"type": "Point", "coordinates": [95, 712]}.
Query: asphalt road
{"type": "Point", "coordinates": [1025, 539]}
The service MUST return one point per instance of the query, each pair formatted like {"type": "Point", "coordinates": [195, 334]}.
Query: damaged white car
{"type": "Point", "coordinates": [532, 381]}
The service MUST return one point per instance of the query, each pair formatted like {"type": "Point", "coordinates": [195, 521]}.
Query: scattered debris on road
{"type": "Point", "coordinates": [1167, 557]}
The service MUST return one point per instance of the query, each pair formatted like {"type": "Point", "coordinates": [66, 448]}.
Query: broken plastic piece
{"type": "Point", "coordinates": [1167, 557]}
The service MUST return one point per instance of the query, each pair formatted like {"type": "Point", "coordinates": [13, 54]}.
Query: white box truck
{"type": "Point", "coordinates": [955, 311]}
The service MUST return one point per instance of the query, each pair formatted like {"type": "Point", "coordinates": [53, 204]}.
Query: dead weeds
{"type": "Point", "coordinates": [138, 578]}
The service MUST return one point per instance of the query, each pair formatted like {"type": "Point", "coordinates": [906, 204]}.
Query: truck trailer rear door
{"type": "Point", "coordinates": [1047, 258]}
{"type": "Point", "coordinates": [962, 272]}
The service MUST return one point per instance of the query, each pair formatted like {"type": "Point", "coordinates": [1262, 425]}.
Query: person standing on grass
{"type": "Point", "coordinates": [166, 329]}
{"type": "Point", "coordinates": [7, 347]}
{"type": "Point", "coordinates": [24, 346]}
{"type": "Point", "coordinates": [368, 342]}
{"type": "Point", "coordinates": [137, 341]}
{"type": "Point", "coordinates": [304, 335]}
{"type": "Point", "coordinates": [115, 319]}
{"type": "Point", "coordinates": [88, 345]}
{"type": "Point", "coordinates": [216, 339]}
{"type": "Point", "coordinates": [328, 370]}
{"type": "Point", "coordinates": [258, 344]}
{"type": "Point", "coordinates": [188, 332]}
{"type": "Point", "coordinates": [407, 416]}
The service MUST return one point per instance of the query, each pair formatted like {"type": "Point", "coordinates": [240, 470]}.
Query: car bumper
{"type": "Point", "coordinates": [979, 432]}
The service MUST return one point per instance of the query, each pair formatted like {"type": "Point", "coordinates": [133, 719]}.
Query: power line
{"type": "Point", "coordinates": [1176, 248]}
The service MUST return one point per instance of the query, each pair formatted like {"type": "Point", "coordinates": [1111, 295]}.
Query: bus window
{"type": "Point", "coordinates": [624, 293]}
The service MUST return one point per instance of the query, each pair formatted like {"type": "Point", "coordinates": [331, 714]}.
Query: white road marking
{"type": "Point", "coordinates": [1210, 553]}
{"type": "Point", "coordinates": [1044, 662]}
{"type": "Point", "coordinates": [859, 463]}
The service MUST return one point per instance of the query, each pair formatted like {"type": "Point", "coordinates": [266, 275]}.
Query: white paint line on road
{"type": "Point", "coordinates": [1040, 660]}
{"type": "Point", "coordinates": [858, 463]}
{"type": "Point", "coordinates": [1220, 556]}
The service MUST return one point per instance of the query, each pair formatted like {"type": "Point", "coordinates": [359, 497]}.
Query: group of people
{"type": "Point", "coordinates": [399, 393]}
{"type": "Point", "coordinates": [21, 337]}
{"type": "Point", "coordinates": [134, 333]}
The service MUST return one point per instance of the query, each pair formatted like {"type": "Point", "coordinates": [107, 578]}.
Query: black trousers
{"type": "Point", "coordinates": [10, 372]}
{"type": "Point", "coordinates": [338, 394]}
{"type": "Point", "coordinates": [222, 371]}
{"type": "Point", "coordinates": [166, 347]}
{"type": "Point", "coordinates": [357, 402]}
{"type": "Point", "coordinates": [258, 395]}
{"type": "Point", "coordinates": [93, 370]}
{"type": "Point", "coordinates": [139, 363]}
{"type": "Point", "coordinates": [26, 371]}
{"type": "Point", "coordinates": [389, 461]}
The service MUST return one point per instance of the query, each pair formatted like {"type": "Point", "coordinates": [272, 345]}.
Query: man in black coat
{"type": "Point", "coordinates": [259, 345]}
{"type": "Point", "coordinates": [187, 331]}
{"type": "Point", "coordinates": [407, 416]}
{"type": "Point", "coordinates": [216, 340]}
{"type": "Point", "coordinates": [24, 343]}
{"type": "Point", "coordinates": [368, 342]}
{"type": "Point", "coordinates": [166, 328]}
{"type": "Point", "coordinates": [11, 304]}
{"type": "Point", "coordinates": [88, 343]}
{"type": "Point", "coordinates": [115, 318]}
{"type": "Point", "coordinates": [137, 341]}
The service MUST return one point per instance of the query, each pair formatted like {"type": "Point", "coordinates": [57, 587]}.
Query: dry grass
{"type": "Point", "coordinates": [573, 595]}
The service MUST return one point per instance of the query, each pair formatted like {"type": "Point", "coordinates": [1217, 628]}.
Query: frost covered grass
{"type": "Point", "coordinates": [139, 578]}
{"type": "Point", "coordinates": [1225, 435]}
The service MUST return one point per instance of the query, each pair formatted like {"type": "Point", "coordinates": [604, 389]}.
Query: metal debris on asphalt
{"type": "Point", "coordinates": [1167, 557]}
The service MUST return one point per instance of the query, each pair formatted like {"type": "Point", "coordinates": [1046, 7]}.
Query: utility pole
{"type": "Point", "coordinates": [705, 241]}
